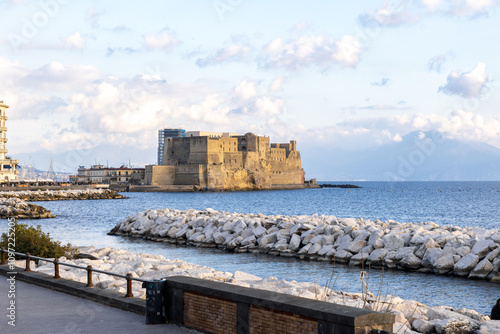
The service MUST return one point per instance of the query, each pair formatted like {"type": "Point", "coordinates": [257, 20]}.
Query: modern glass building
{"type": "Point", "coordinates": [167, 133]}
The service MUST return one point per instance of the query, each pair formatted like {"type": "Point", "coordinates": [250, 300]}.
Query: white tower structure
{"type": "Point", "coordinates": [8, 166]}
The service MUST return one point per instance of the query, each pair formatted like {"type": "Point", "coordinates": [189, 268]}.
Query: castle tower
{"type": "Point", "coordinates": [8, 166]}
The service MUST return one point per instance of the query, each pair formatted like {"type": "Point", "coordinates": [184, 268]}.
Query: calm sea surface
{"type": "Point", "coordinates": [446, 203]}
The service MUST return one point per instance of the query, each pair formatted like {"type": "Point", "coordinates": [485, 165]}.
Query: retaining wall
{"type": "Point", "coordinates": [217, 307]}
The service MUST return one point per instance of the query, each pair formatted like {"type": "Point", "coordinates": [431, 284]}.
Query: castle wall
{"type": "Point", "coordinates": [198, 150]}
{"type": "Point", "coordinates": [239, 162]}
{"type": "Point", "coordinates": [191, 174]}
{"type": "Point", "coordinates": [158, 175]}
{"type": "Point", "coordinates": [176, 151]}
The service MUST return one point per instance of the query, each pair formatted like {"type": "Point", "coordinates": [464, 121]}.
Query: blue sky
{"type": "Point", "coordinates": [348, 75]}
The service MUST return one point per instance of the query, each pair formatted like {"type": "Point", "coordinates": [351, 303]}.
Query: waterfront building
{"type": "Point", "coordinates": [167, 133]}
{"type": "Point", "coordinates": [107, 175]}
{"type": "Point", "coordinates": [227, 162]}
{"type": "Point", "coordinates": [8, 166]}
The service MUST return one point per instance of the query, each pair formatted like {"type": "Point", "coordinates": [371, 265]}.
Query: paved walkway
{"type": "Point", "coordinates": [40, 310]}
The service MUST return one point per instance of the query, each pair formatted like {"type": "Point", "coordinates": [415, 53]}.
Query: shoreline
{"type": "Point", "coordinates": [411, 316]}
{"type": "Point", "coordinates": [62, 195]}
{"type": "Point", "coordinates": [424, 247]}
{"type": "Point", "coordinates": [14, 204]}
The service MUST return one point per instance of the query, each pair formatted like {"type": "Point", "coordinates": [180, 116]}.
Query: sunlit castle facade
{"type": "Point", "coordinates": [8, 166]}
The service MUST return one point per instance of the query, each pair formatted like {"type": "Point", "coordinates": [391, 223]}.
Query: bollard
{"type": "Point", "coordinates": [27, 262]}
{"type": "Point", "coordinates": [56, 268]}
{"type": "Point", "coordinates": [129, 286]}
{"type": "Point", "coordinates": [89, 277]}
{"type": "Point", "coordinates": [155, 309]}
{"type": "Point", "coordinates": [4, 259]}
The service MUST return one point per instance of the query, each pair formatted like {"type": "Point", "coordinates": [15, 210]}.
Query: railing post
{"type": "Point", "coordinates": [89, 277]}
{"type": "Point", "coordinates": [129, 286]}
{"type": "Point", "coordinates": [4, 258]}
{"type": "Point", "coordinates": [27, 262]}
{"type": "Point", "coordinates": [56, 268]}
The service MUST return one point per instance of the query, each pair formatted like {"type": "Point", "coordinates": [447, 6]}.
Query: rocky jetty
{"type": "Point", "coordinates": [17, 208]}
{"type": "Point", "coordinates": [411, 316]}
{"type": "Point", "coordinates": [424, 247]}
{"type": "Point", "coordinates": [62, 195]}
{"type": "Point", "coordinates": [343, 186]}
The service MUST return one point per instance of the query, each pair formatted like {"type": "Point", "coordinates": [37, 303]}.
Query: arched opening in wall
{"type": "Point", "coordinates": [243, 148]}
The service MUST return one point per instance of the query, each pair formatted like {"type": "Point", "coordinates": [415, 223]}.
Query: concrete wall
{"type": "Point", "coordinates": [217, 307]}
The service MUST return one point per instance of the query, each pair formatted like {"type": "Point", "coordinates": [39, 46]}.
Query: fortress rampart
{"type": "Point", "coordinates": [228, 163]}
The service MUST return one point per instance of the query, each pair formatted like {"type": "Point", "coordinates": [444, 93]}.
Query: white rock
{"type": "Point", "coordinates": [242, 276]}
{"type": "Point", "coordinates": [294, 243]}
{"type": "Point", "coordinates": [422, 326]}
{"type": "Point", "coordinates": [482, 269]}
{"type": "Point", "coordinates": [377, 256]}
{"type": "Point", "coordinates": [267, 239]}
{"type": "Point", "coordinates": [259, 231]}
{"type": "Point", "coordinates": [315, 248]}
{"type": "Point", "coordinates": [325, 250]}
{"type": "Point", "coordinates": [489, 327]}
{"type": "Point", "coordinates": [393, 241]}
{"type": "Point", "coordinates": [465, 264]}
{"type": "Point", "coordinates": [483, 247]}
{"type": "Point", "coordinates": [355, 246]}
{"type": "Point", "coordinates": [343, 255]}
{"type": "Point", "coordinates": [248, 241]}
{"type": "Point", "coordinates": [444, 264]}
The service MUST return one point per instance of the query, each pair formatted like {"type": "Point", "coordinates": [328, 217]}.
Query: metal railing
{"type": "Point", "coordinates": [90, 270]}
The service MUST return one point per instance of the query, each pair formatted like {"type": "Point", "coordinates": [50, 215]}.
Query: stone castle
{"type": "Point", "coordinates": [231, 162]}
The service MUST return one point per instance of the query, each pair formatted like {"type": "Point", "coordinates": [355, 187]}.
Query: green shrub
{"type": "Point", "coordinates": [29, 239]}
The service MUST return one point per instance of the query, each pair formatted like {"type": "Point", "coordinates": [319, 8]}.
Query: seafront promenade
{"type": "Point", "coordinates": [410, 316]}
{"type": "Point", "coordinates": [42, 310]}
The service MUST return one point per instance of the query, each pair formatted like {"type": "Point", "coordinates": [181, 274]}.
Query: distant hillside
{"type": "Point", "coordinates": [420, 156]}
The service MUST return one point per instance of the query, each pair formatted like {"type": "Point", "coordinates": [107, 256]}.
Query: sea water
{"type": "Point", "coordinates": [475, 204]}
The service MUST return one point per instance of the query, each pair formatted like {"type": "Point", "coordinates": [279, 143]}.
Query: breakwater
{"type": "Point", "coordinates": [424, 247]}
{"type": "Point", "coordinates": [62, 195]}
{"type": "Point", "coordinates": [20, 209]}
{"type": "Point", "coordinates": [409, 314]}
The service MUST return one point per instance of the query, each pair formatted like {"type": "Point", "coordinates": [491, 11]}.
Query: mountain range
{"type": "Point", "coordinates": [419, 156]}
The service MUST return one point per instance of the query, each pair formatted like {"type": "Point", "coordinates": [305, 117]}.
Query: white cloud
{"type": "Point", "coordinates": [432, 4]}
{"type": "Point", "coordinates": [93, 16]}
{"type": "Point", "coordinates": [246, 89]}
{"type": "Point", "coordinates": [76, 105]}
{"type": "Point", "coordinates": [347, 51]}
{"type": "Point", "coordinates": [57, 77]}
{"type": "Point", "coordinates": [467, 84]}
{"type": "Point", "coordinates": [436, 63]}
{"type": "Point", "coordinates": [160, 41]}
{"type": "Point", "coordinates": [267, 106]}
{"type": "Point", "coordinates": [75, 41]}
{"type": "Point", "coordinates": [277, 84]}
{"type": "Point", "coordinates": [389, 17]}
{"type": "Point", "coordinates": [460, 8]}
{"type": "Point", "coordinates": [231, 53]}
{"type": "Point", "coordinates": [319, 50]}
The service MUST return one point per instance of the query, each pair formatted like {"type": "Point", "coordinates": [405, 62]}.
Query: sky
{"type": "Point", "coordinates": [84, 75]}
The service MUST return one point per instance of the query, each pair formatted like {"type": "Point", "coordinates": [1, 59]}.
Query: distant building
{"type": "Point", "coordinates": [167, 133]}
{"type": "Point", "coordinates": [8, 166]}
{"type": "Point", "coordinates": [227, 162]}
{"type": "Point", "coordinates": [100, 174]}
{"type": "Point", "coordinates": [210, 134]}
